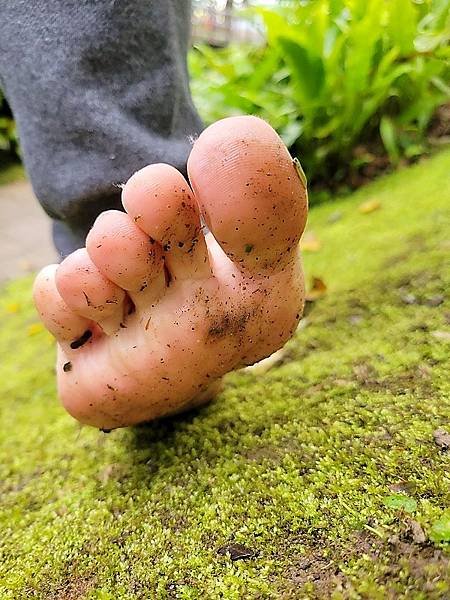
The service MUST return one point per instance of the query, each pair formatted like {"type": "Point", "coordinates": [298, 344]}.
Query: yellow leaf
{"type": "Point", "coordinates": [317, 290]}
{"type": "Point", "coordinates": [13, 307]}
{"type": "Point", "coordinates": [310, 242]}
{"type": "Point", "coordinates": [35, 328]}
{"type": "Point", "coordinates": [369, 206]}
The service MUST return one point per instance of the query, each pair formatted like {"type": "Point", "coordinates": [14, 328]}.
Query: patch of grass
{"type": "Point", "coordinates": [326, 467]}
{"type": "Point", "coordinates": [11, 171]}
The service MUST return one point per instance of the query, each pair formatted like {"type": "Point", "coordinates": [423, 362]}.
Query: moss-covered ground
{"type": "Point", "coordinates": [331, 469]}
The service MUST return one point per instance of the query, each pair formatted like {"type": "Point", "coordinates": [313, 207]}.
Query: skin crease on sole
{"type": "Point", "coordinates": [152, 313]}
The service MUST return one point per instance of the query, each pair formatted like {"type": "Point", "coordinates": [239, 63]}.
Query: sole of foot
{"type": "Point", "coordinates": [154, 311]}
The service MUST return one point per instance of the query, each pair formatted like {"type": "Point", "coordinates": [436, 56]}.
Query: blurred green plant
{"type": "Point", "coordinates": [336, 78]}
{"type": "Point", "coordinates": [8, 137]}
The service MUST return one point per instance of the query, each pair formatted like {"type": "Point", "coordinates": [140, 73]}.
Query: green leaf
{"type": "Point", "coordinates": [291, 132]}
{"type": "Point", "coordinates": [275, 24]}
{"type": "Point", "coordinates": [440, 530]}
{"type": "Point", "coordinates": [362, 39]}
{"type": "Point", "coordinates": [441, 85]}
{"type": "Point", "coordinates": [388, 135]}
{"type": "Point", "coordinates": [400, 502]}
{"type": "Point", "coordinates": [308, 70]}
{"type": "Point", "coordinates": [402, 24]}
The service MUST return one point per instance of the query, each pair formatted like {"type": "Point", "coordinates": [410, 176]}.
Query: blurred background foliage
{"type": "Point", "coordinates": [352, 86]}
{"type": "Point", "coordinates": [8, 139]}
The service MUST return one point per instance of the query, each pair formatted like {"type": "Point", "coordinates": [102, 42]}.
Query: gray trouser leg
{"type": "Point", "coordinates": [99, 88]}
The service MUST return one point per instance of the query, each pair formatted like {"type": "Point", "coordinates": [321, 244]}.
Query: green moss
{"type": "Point", "coordinates": [300, 465]}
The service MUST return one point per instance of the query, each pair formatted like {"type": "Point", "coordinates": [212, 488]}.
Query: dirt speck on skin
{"type": "Point", "coordinates": [167, 275]}
{"type": "Point", "coordinates": [228, 324]}
{"type": "Point", "coordinates": [88, 301]}
{"type": "Point", "coordinates": [81, 340]}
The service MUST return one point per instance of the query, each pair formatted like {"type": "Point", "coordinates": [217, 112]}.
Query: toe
{"type": "Point", "coordinates": [58, 318]}
{"type": "Point", "coordinates": [249, 192]}
{"type": "Point", "coordinates": [126, 255]}
{"type": "Point", "coordinates": [161, 203]}
{"type": "Point", "coordinates": [87, 292]}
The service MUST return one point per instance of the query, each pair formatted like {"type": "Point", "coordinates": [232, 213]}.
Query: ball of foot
{"type": "Point", "coordinates": [156, 308]}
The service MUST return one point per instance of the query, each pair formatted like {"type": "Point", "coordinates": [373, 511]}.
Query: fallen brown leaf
{"type": "Point", "coordinates": [317, 290]}
{"type": "Point", "coordinates": [416, 532]}
{"type": "Point", "coordinates": [237, 551]}
{"type": "Point", "coordinates": [310, 242]}
{"type": "Point", "coordinates": [442, 438]}
{"type": "Point", "coordinates": [435, 300]}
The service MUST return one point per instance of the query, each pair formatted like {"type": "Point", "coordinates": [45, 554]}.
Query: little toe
{"type": "Point", "coordinates": [161, 203]}
{"type": "Point", "coordinates": [249, 192]}
{"type": "Point", "coordinates": [88, 292]}
{"type": "Point", "coordinates": [126, 255]}
{"type": "Point", "coordinates": [68, 327]}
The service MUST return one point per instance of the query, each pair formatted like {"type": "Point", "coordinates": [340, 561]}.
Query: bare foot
{"type": "Point", "coordinates": [152, 312]}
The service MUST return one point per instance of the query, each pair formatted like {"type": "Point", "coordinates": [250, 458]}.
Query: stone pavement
{"type": "Point", "coordinates": [25, 240]}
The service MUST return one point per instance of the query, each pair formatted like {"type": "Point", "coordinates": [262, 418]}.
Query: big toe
{"type": "Point", "coordinates": [249, 191]}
